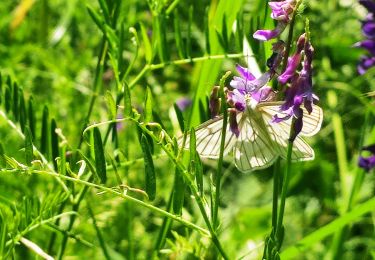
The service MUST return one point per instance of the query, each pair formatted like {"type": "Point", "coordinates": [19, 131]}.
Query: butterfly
{"type": "Point", "coordinates": [260, 141]}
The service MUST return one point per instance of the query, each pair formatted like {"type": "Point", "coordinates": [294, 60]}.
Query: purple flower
{"type": "Point", "coordinates": [368, 29]}
{"type": "Point", "coordinates": [367, 163]}
{"type": "Point", "coordinates": [369, 45]}
{"type": "Point", "coordinates": [236, 99]}
{"type": "Point", "coordinates": [247, 82]}
{"type": "Point", "coordinates": [281, 11]}
{"type": "Point", "coordinates": [365, 63]}
{"type": "Point", "coordinates": [265, 35]}
{"type": "Point", "coordinates": [183, 103]}
{"type": "Point", "coordinates": [293, 62]}
{"type": "Point", "coordinates": [299, 93]}
{"type": "Point", "coordinates": [368, 26]}
{"type": "Point", "coordinates": [233, 125]}
{"type": "Point", "coordinates": [369, 4]}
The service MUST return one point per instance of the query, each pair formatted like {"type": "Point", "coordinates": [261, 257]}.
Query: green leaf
{"type": "Point", "coordinates": [188, 40]}
{"type": "Point", "coordinates": [1, 90]}
{"type": "Point", "coordinates": [54, 143]}
{"type": "Point", "coordinates": [127, 101]}
{"type": "Point", "coordinates": [45, 134]}
{"type": "Point", "coordinates": [204, 114]}
{"type": "Point", "coordinates": [2, 159]}
{"type": "Point", "coordinates": [148, 106]}
{"type": "Point", "coordinates": [111, 105]}
{"type": "Point", "coordinates": [105, 11]}
{"type": "Point", "coordinates": [22, 111]}
{"type": "Point", "coordinates": [177, 35]}
{"type": "Point", "coordinates": [207, 32]}
{"type": "Point", "coordinates": [3, 234]}
{"type": "Point", "coordinates": [178, 192]}
{"type": "Point", "coordinates": [159, 29]}
{"type": "Point", "coordinates": [96, 18]}
{"type": "Point", "coordinates": [31, 116]}
{"type": "Point", "coordinates": [99, 156]}
{"type": "Point", "coordinates": [305, 243]}
{"type": "Point", "coordinates": [28, 146]}
{"type": "Point", "coordinates": [150, 178]}
{"type": "Point", "coordinates": [15, 101]}
{"type": "Point", "coordinates": [192, 144]}
{"type": "Point", "coordinates": [8, 98]}
{"type": "Point", "coordinates": [147, 44]}
{"type": "Point", "coordinates": [180, 117]}
{"type": "Point", "coordinates": [199, 173]}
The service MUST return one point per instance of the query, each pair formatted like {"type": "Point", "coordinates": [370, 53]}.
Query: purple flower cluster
{"type": "Point", "coordinates": [281, 12]}
{"type": "Point", "coordinates": [367, 163]}
{"type": "Point", "coordinates": [300, 90]}
{"type": "Point", "coordinates": [368, 30]}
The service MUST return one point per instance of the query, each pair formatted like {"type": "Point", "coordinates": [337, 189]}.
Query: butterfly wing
{"type": "Point", "coordinates": [208, 139]}
{"type": "Point", "coordinates": [279, 132]}
{"type": "Point", "coordinates": [254, 150]}
{"type": "Point", "coordinates": [311, 122]}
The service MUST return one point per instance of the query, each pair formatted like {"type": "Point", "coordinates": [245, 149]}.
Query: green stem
{"type": "Point", "coordinates": [275, 199]}
{"type": "Point", "coordinates": [97, 83]}
{"type": "Point", "coordinates": [284, 190]}
{"type": "Point", "coordinates": [215, 222]}
{"type": "Point", "coordinates": [120, 194]}
{"type": "Point", "coordinates": [151, 67]}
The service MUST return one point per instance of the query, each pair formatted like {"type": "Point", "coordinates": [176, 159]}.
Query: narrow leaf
{"type": "Point", "coordinates": [148, 106]}
{"type": "Point", "coordinates": [207, 32]}
{"type": "Point", "coordinates": [178, 192]}
{"type": "Point", "coordinates": [127, 101]}
{"type": "Point", "coordinates": [147, 44]}
{"type": "Point", "coordinates": [180, 117]}
{"type": "Point", "coordinates": [22, 112]}
{"type": "Point", "coordinates": [159, 28]}
{"type": "Point", "coordinates": [150, 178]}
{"type": "Point", "coordinates": [15, 105]}
{"type": "Point", "coordinates": [31, 116]}
{"type": "Point", "coordinates": [204, 114]}
{"type": "Point", "coordinates": [8, 98]}
{"type": "Point", "coordinates": [3, 234]}
{"type": "Point", "coordinates": [96, 18]}
{"type": "Point", "coordinates": [54, 143]}
{"type": "Point", "coordinates": [1, 90]}
{"type": "Point", "coordinates": [105, 11]}
{"type": "Point", "coordinates": [111, 105]}
{"type": "Point", "coordinates": [2, 158]}
{"type": "Point", "coordinates": [224, 33]}
{"type": "Point", "coordinates": [199, 173]}
{"type": "Point", "coordinates": [99, 156]}
{"type": "Point", "coordinates": [44, 138]}
{"type": "Point", "coordinates": [188, 40]}
{"type": "Point", "coordinates": [177, 35]}
{"type": "Point", "coordinates": [28, 146]}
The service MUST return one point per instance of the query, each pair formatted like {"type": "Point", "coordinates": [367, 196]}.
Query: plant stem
{"type": "Point", "coordinates": [275, 199]}
{"type": "Point", "coordinates": [215, 222]}
{"type": "Point", "coordinates": [284, 191]}
{"type": "Point", "coordinates": [117, 193]}
{"type": "Point", "coordinates": [150, 67]}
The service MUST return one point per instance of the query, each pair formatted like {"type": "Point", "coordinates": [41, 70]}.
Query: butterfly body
{"type": "Point", "coordinates": [260, 141]}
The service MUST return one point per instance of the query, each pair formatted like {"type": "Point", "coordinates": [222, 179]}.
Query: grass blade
{"type": "Point", "coordinates": [45, 133]}
{"type": "Point", "coordinates": [99, 156]}
{"type": "Point", "coordinates": [150, 179]}
{"type": "Point", "coordinates": [28, 146]}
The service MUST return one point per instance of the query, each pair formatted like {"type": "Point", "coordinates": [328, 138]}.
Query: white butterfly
{"type": "Point", "coordinates": [260, 141]}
